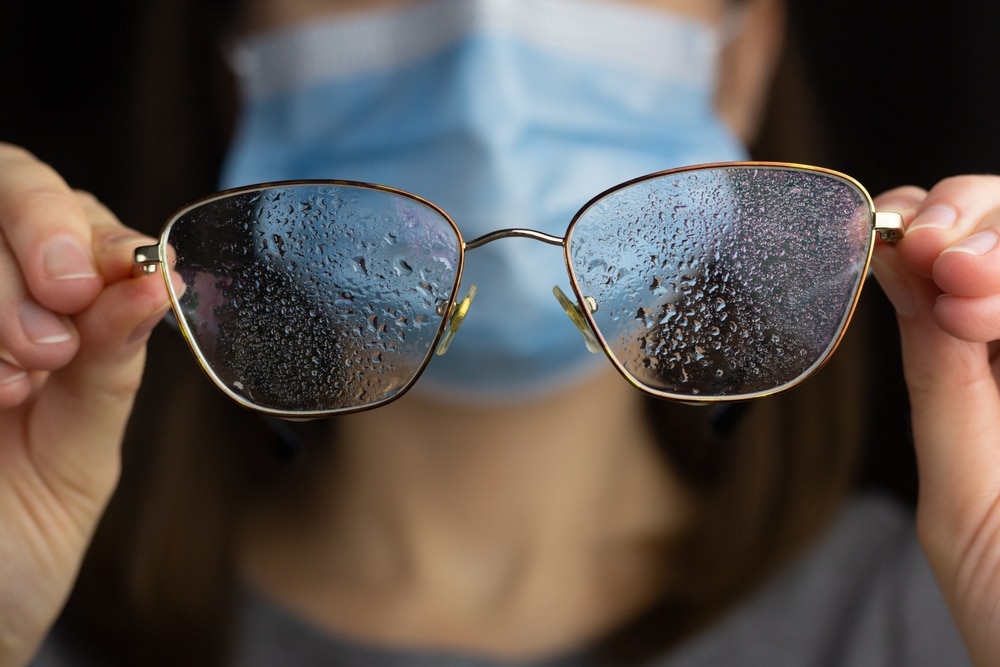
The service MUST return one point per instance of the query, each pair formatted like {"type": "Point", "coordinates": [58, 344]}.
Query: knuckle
{"type": "Point", "coordinates": [910, 192]}
{"type": "Point", "coordinates": [982, 185]}
{"type": "Point", "coordinates": [98, 215]}
{"type": "Point", "coordinates": [87, 198]}
{"type": "Point", "coordinates": [34, 208]}
{"type": "Point", "coordinates": [14, 152]}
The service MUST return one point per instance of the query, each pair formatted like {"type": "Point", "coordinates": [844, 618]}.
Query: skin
{"type": "Point", "coordinates": [472, 564]}
{"type": "Point", "coordinates": [944, 281]}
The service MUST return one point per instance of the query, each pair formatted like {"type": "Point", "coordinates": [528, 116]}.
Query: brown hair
{"type": "Point", "coordinates": [158, 586]}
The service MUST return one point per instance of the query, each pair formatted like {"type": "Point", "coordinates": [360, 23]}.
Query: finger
{"type": "Point", "coordinates": [47, 232]}
{"type": "Point", "coordinates": [78, 420]}
{"type": "Point", "coordinates": [31, 336]}
{"type": "Point", "coordinates": [955, 412]}
{"type": "Point", "coordinates": [113, 243]}
{"type": "Point", "coordinates": [971, 266]}
{"type": "Point", "coordinates": [965, 275]}
{"type": "Point", "coordinates": [975, 319]}
{"type": "Point", "coordinates": [903, 200]}
{"type": "Point", "coordinates": [15, 382]}
{"type": "Point", "coordinates": [968, 268]}
{"type": "Point", "coordinates": [36, 338]}
{"type": "Point", "coordinates": [954, 210]}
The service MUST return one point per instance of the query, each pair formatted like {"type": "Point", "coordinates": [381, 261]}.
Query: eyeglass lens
{"type": "Point", "coordinates": [725, 281]}
{"type": "Point", "coordinates": [728, 281]}
{"type": "Point", "coordinates": [314, 297]}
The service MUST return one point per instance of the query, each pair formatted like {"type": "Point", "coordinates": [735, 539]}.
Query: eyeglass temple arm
{"type": "Point", "coordinates": [147, 258]}
{"type": "Point", "coordinates": [889, 226]}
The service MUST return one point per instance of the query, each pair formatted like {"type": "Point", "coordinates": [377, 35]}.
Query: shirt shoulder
{"type": "Point", "coordinates": [862, 595]}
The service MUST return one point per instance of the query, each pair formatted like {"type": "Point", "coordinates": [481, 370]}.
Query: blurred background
{"type": "Point", "coordinates": [901, 93]}
{"type": "Point", "coordinates": [908, 93]}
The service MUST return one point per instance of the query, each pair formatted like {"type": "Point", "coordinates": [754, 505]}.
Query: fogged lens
{"type": "Point", "coordinates": [724, 281]}
{"type": "Point", "coordinates": [305, 298]}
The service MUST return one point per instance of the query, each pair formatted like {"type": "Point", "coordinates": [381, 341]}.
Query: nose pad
{"type": "Point", "coordinates": [576, 315]}
{"type": "Point", "coordinates": [458, 314]}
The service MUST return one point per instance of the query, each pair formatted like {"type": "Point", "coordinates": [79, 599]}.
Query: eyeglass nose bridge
{"type": "Point", "coordinates": [573, 310]}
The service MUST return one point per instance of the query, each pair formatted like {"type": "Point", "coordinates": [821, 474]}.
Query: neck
{"type": "Point", "coordinates": [463, 513]}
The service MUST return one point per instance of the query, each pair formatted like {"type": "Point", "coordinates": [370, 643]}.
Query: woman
{"type": "Point", "coordinates": [499, 527]}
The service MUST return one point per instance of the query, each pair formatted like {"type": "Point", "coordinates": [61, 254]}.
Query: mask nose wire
{"type": "Point", "coordinates": [574, 311]}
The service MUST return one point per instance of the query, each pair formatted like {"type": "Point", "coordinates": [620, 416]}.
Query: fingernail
{"type": "Point", "coordinates": [10, 374]}
{"type": "Point", "coordinates": [979, 243]}
{"type": "Point", "coordinates": [41, 326]}
{"type": "Point", "coordinates": [65, 259]}
{"type": "Point", "coordinates": [939, 216]}
{"type": "Point", "coordinates": [895, 289]}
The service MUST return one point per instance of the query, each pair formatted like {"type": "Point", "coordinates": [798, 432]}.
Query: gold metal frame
{"type": "Point", "coordinates": [150, 259]}
{"type": "Point", "coordinates": [886, 225]}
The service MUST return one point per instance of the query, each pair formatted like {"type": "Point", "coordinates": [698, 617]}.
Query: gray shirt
{"type": "Point", "coordinates": [862, 595]}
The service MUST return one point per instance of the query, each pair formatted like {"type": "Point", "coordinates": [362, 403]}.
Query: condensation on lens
{"type": "Point", "coordinates": [726, 281]}
{"type": "Point", "coordinates": [306, 297]}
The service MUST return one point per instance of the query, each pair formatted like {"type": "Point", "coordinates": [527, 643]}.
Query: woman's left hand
{"type": "Point", "coordinates": [943, 278]}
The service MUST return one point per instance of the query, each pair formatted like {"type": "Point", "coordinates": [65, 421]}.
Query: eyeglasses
{"type": "Point", "coordinates": [719, 282]}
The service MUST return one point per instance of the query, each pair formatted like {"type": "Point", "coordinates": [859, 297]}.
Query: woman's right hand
{"type": "Point", "coordinates": [73, 327]}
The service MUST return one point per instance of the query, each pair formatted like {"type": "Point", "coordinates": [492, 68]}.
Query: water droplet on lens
{"type": "Point", "coordinates": [403, 268]}
{"type": "Point", "coordinates": [279, 243]}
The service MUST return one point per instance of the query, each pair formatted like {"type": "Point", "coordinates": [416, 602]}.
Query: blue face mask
{"type": "Point", "coordinates": [505, 114]}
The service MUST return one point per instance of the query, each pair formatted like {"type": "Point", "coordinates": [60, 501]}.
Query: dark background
{"type": "Point", "coordinates": [907, 92]}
